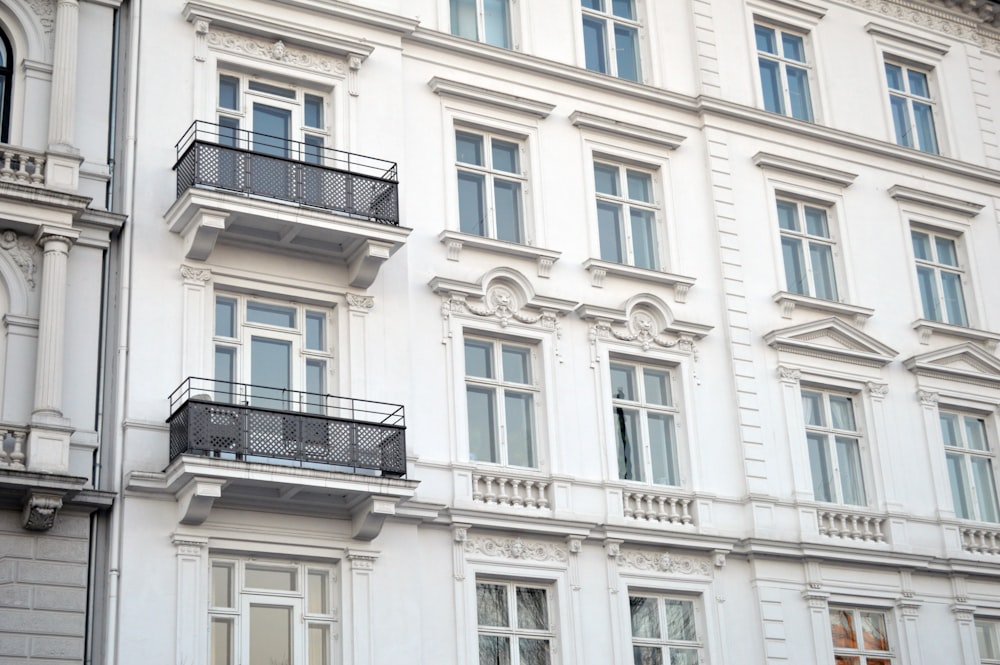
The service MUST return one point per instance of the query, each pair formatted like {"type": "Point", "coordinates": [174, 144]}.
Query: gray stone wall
{"type": "Point", "coordinates": [43, 590]}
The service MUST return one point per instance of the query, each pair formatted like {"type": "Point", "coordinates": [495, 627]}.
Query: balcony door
{"type": "Point", "coordinates": [274, 634]}
{"type": "Point", "coordinates": [271, 137]}
{"type": "Point", "coordinates": [271, 366]}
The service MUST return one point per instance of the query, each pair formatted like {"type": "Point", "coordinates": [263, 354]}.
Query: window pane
{"type": "Point", "coordinates": [609, 231]}
{"type": "Point", "coordinates": [491, 604]}
{"type": "Point", "coordinates": [851, 660]}
{"type": "Point", "coordinates": [894, 77]}
{"type": "Point", "coordinates": [873, 631]}
{"type": "Point", "coordinates": [270, 634]}
{"type": "Point", "coordinates": [986, 634]}
{"type": "Point", "coordinates": [928, 293]}
{"type": "Point", "coordinates": [684, 657]}
{"type": "Point", "coordinates": [317, 592]}
{"type": "Point", "coordinates": [842, 412]}
{"type": "Point", "coordinates": [276, 579]}
{"type": "Point", "coordinates": [770, 85]}
{"type": "Point", "coordinates": [623, 9]}
{"type": "Point", "coordinates": [277, 91]}
{"type": "Point", "coordinates": [595, 54]}
{"type": "Point", "coordinates": [313, 108]}
{"type": "Point", "coordinates": [680, 620]}
{"type": "Point", "coordinates": [627, 52]}
{"type": "Point", "coordinates": [816, 223]}
{"type": "Point", "coordinates": [798, 93]}
{"type": "Point", "coordinates": [222, 585]}
{"type": "Point", "coordinates": [946, 253]}
{"type": "Point", "coordinates": [765, 38]}
{"type": "Point", "coordinates": [497, 23]}
{"type": "Point", "coordinates": [225, 373]}
{"type": "Point", "coordinates": [478, 359]}
{"type": "Point", "coordinates": [626, 423]}
{"type": "Point", "coordinates": [225, 317]}
{"type": "Point", "coordinates": [315, 322]}
{"type": "Point", "coordinates": [788, 215]}
{"type": "Point", "coordinates": [918, 83]}
{"type": "Point", "coordinates": [222, 642]}
{"type": "Point", "coordinates": [463, 18]}
{"type": "Point", "coordinates": [520, 429]}
{"type": "Point", "coordinates": [494, 650]}
{"type": "Point", "coordinates": [921, 245]}
{"type": "Point", "coordinates": [640, 186]}
{"type": "Point", "coordinates": [271, 130]}
{"type": "Point", "coordinates": [643, 239]}
{"type": "Point", "coordinates": [229, 131]}
{"type": "Point", "coordinates": [645, 617]}
{"type": "Point", "coordinates": [822, 470]}
{"type": "Point", "coordinates": [986, 492]}
{"type": "Point", "coordinates": [792, 48]}
{"type": "Point", "coordinates": [534, 652]}
{"type": "Point", "coordinates": [270, 372]}
{"type": "Point", "coordinates": [505, 156]}
{"type": "Point", "coordinates": [623, 382]}
{"type": "Point", "coordinates": [923, 118]}
{"type": "Point", "coordinates": [975, 433]}
{"type": "Point", "coordinates": [271, 315]}
{"type": "Point", "coordinates": [657, 385]}
{"type": "Point", "coordinates": [812, 408]}
{"type": "Point", "coordinates": [516, 364]}
{"type": "Point", "coordinates": [606, 179]}
{"type": "Point", "coordinates": [316, 385]}
{"type": "Point", "coordinates": [901, 121]}
{"type": "Point", "coordinates": [647, 655]}
{"type": "Point", "coordinates": [507, 199]}
{"type": "Point", "coordinates": [593, 4]}
{"type": "Point", "coordinates": [469, 148]}
{"type": "Point", "coordinates": [312, 153]}
{"type": "Point", "coordinates": [482, 424]}
{"type": "Point", "coordinates": [822, 266]}
{"type": "Point", "coordinates": [795, 270]}
{"type": "Point", "coordinates": [532, 609]}
{"type": "Point", "coordinates": [229, 93]}
{"type": "Point", "coordinates": [959, 486]}
{"type": "Point", "coordinates": [662, 449]}
{"type": "Point", "coordinates": [471, 203]}
{"type": "Point", "coordinates": [319, 644]}
{"type": "Point", "coordinates": [954, 301]}
{"type": "Point", "coordinates": [851, 478]}
{"type": "Point", "coordinates": [842, 627]}
{"type": "Point", "coordinates": [949, 429]}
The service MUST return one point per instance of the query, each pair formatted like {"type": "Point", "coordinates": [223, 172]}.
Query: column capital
{"type": "Point", "coordinates": [47, 233]}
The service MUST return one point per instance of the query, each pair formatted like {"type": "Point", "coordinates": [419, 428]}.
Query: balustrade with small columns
{"type": "Point", "coordinates": [510, 490]}
{"type": "Point", "coordinates": [657, 507]}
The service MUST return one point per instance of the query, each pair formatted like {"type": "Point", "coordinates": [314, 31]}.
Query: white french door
{"type": "Point", "coordinates": [273, 635]}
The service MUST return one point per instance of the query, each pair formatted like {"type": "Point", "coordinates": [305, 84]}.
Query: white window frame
{"type": "Point", "coordinates": [806, 239]}
{"type": "Point", "coordinates": [861, 653]}
{"type": "Point", "coordinates": [608, 21]}
{"type": "Point", "coordinates": [988, 626]}
{"type": "Point", "coordinates": [830, 434]}
{"type": "Point", "coordinates": [625, 204]}
{"type": "Point", "coordinates": [909, 98]}
{"type": "Point", "coordinates": [958, 238]}
{"type": "Point", "coordinates": [235, 611]}
{"type": "Point", "coordinates": [783, 63]}
{"type": "Point", "coordinates": [644, 409]}
{"type": "Point", "coordinates": [499, 386]}
{"type": "Point", "coordinates": [490, 176]}
{"type": "Point", "coordinates": [665, 643]}
{"type": "Point", "coordinates": [513, 632]}
{"type": "Point", "coordinates": [481, 22]}
{"type": "Point", "coordinates": [966, 454]}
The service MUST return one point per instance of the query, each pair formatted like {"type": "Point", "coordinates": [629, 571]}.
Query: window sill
{"type": "Point", "coordinates": [926, 328]}
{"type": "Point", "coordinates": [600, 269]}
{"type": "Point", "coordinates": [789, 301]}
{"type": "Point", "coordinates": [455, 241]}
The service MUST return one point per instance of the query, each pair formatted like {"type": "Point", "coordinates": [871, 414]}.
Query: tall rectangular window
{"type": "Point", "coordinates": [834, 444]}
{"type": "Point", "coordinates": [970, 466]}
{"type": "Point", "coordinates": [911, 106]}
{"type": "Point", "coordinates": [807, 249]}
{"type": "Point", "coordinates": [501, 388]}
{"type": "Point", "coordinates": [663, 631]}
{"type": "Point", "coordinates": [482, 20]}
{"type": "Point", "coordinates": [626, 215]}
{"type": "Point", "coordinates": [491, 186]}
{"type": "Point", "coordinates": [611, 37]}
{"type": "Point", "coordinates": [988, 638]}
{"type": "Point", "coordinates": [515, 624]}
{"type": "Point", "coordinates": [939, 277]}
{"type": "Point", "coordinates": [860, 637]}
{"type": "Point", "coordinates": [784, 74]}
{"type": "Point", "coordinates": [644, 419]}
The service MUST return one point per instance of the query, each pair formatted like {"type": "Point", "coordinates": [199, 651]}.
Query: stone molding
{"type": "Point", "coordinates": [665, 562]}
{"type": "Point", "coordinates": [515, 548]}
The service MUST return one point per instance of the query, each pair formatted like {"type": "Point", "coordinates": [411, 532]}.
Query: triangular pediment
{"type": "Point", "coordinates": [833, 339]}
{"type": "Point", "coordinates": [966, 362]}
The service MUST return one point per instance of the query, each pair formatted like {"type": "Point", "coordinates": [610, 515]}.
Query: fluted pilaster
{"type": "Point", "coordinates": [52, 323]}
{"type": "Point", "coordinates": [62, 108]}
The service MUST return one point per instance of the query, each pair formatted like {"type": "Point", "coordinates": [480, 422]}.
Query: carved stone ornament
{"type": "Point", "coordinates": [789, 374]}
{"type": "Point", "coordinates": [187, 547]}
{"type": "Point", "coordinates": [878, 389]}
{"type": "Point", "coordinates": [927, 398]}
{"type": "Point", "coordinates": [46, 12]}
{"type": "Point", "coordinates": [923, 14]}
{"type": "Point", "coordinates": [40, 512]}
{"type": "Point", "coordinates": [665, 562]}
{"type": "Point", "coordinates": [364, 302]}
{"type": "Point", "coordinates": [275, 51]}
{"type": "Point", "coordinates": [501, 303]}
{"type": "Point", "coordinates": [196, 274]}
{"type": "Point", "coordinates": [23, 252]}
{"type": "Point", "coordinates": [362, 560]}
{"type": "Point", "coordinates": [515, 548]}
{"type": "Point", "coordinates": [640, 329]}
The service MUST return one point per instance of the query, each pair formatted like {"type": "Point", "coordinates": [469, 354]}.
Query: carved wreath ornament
{"type": "Point", "coordinates": [23, 251]}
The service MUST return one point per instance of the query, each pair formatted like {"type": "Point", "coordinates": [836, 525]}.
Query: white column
{"type": "Point", "coordinates": [52, 324]}
{"type": "Point", "coordinates": [910, 633]}
{"type": "Point", "coordinates": [62, 108]}
{"type": "Point", "coordinates": [196, 358]}
{"type": "Point", "coordinates": [192, 598]}
{"type": "Point", "coordinates": [819, 620]}
{"type": "Point", "coordinates": [361, 650]}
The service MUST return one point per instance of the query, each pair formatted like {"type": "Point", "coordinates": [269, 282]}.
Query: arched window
{"type": "Point", "coordinates": [6, 77]}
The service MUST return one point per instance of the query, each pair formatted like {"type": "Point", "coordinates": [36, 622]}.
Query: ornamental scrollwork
{"type": "Point", "coordinates": [364, 302]}
{"type": "Point", "coordinates": [501, 303]}
{"type": "Point", "coordinates": [938, 20]}
{"type": "Point", "coordinates": [665, 563]}
{"type": "Point", "coordinates": [515, 548]}
{"type": "Point", "coordinates": [23, 252]}
{"type": "Point", "coordinates": [276, 51]}
{"type": "Point", "coordinates": [196, 274]}
{"type": "Point", "coordinates": [641, 329]}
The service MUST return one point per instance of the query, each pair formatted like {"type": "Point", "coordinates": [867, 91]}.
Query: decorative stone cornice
{"type": "Point", "coordinates": [666, 563]}
{"type": "Point", "coordinates": [833, 339]}
{"type": "Point", "coordinates": [626, 130]}
{"type": "Point", "coordinates": [515, 548]}
{"type": "Point", "coordinates": [795, 167]}
{"type": "Point", "coordinates": [488, 97]}
{"type": "Point", "coordinates": [504, 295]}
{"type": "Point", "coordinates": [948, 204]}
{"type": "Point", "coordinates": [645, 321]}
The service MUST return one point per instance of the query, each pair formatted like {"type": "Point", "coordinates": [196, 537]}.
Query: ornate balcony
{"type": "Point", "coordinates": [285, 195]}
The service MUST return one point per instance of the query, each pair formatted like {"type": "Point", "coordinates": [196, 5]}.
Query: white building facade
{"type": "Point", "coordinates": [691, 307]}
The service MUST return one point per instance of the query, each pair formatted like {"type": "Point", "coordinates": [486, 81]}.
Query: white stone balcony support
{"type": "Point", "coordinates": [654, 506]}
{"type": "Point", "coordinates": [851, 525]}
{"type": "Point", "coordinates": [510, 490]}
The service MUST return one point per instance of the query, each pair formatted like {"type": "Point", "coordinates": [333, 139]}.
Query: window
{"type": "Point", "coordinates": [500, 389]}
{"type": "Point", "coordinates": [611, 37]}
{"type": "Point", "coordinates": [482, 20]}
{"type": "Point", "coordinates": [490, 186]}
{"type": "Point", "coordinates": [515, 624]}
{"type": "Point", "coordinates": [859, 637]}
{"type": "Point", "coordinates": [912, 107]}
{"type": "Point", "coordinates": [939, 277]}
{"type": "Point", "coordinates": [6, 79]}
{"type": "Point", "coordinates": [663, 631]}
{"type": "Point", "coordinates": [970, 466]}
{"type": "Point", "coordinates": [784, 74]}
{"type": "Point", "coordinates": [281, 350]}
{"type": "Point", "coordinates": [833, 440]}
{"type": "Point", "coordinates": [644, 419]}
{"type": "Point", "coordinates": [989, 643]}
{"type": "Point", "coordinates": [807, 249]}
{"type": "Point", "coordinates": [626, 215]}
{"type": "Point", "coordinates": [262, 613]}
{"type": "Point", "coordinates": [279, 120]}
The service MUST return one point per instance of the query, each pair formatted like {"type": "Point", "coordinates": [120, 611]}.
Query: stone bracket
{"type": "Point", "coordinates": [40, 511]}
{"type": "Point", "coordinates": [364, 264]}
{"type": "Point", "coordinates": [195, 500]}
{"type": "Point", "coordinates": [368, 516]}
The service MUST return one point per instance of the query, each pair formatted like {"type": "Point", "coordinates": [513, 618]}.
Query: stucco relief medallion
{"type": "Point", "coordinates": [502, 303]}
{"type": "Point", "coordinates": [23, 252]}
{"type": "Point", "coordinates": [515, 548]}
{"type": "Point", "coordinates": [665, 562]}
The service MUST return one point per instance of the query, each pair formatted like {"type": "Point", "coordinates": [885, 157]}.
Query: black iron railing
{"type": "Point", "coordinates": [254, 164]}
{"type": "Point", "coordinates": [260, 424]}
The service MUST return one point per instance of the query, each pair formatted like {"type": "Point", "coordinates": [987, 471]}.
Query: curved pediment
{"type": "Point", "coordinates": [966, 362]}
{"type": "Point", "coordinates": [833, 339]}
